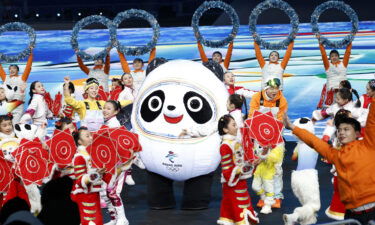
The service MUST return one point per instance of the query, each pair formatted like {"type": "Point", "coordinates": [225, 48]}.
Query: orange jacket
{"type": "Point", "coordinates": [86, 70]}
{"type": "Point", "coordinates": [255, 103]}
{"type": "Point", "coordinates": [354, 163]}
{"type": "Point", "coordinates": [284, 62]}
{"type": "Point", "coordinates": [26, 72]}
{"type": "Point", "coordinates": [325, 58]}
{"type": "Point", "coordinates": [228, 56]}
{"type": "Point", "coordinates": [124, 62]}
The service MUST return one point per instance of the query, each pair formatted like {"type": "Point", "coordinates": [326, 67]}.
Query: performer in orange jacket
{"type": "Point", "coordinates": [100, 71]}
{"type": "Point", "coordinates": [138, 73]}
{"type": "Point", "coordinates": [272, 68]}
{"type": "Point", "coordinates": [335, 71]}
{"type": "Point", "coordinates": [353, 161]}
{"type": "Point", "coordinates": [217, 56]}
{"type": "Point", "coordinates": [14, 80]}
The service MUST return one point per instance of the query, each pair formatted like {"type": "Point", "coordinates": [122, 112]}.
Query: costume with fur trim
{"type": "Point", "coordinates": [37, 111]}
{"type": "Point", "coordinates": [86, 189]}
{"type": "Point", "coordinates": [236, 205]}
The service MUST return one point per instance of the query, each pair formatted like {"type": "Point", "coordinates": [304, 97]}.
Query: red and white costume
{"type": "Point", "coordinates": [240, 91]}
{"type": "Point", "coordinates": [129, 93]}
{"type": "Point", "coordinates": [236, 205]}
{"type": "Point", "coordinates": [336, 72]}
{"type": "Point", "coordinates": [86, 190]}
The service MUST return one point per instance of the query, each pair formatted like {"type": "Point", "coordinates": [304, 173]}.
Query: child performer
{"type": "Point", "coordinates": [67, 110]}
{"type": "Point", "coordinates": [138, 73]}
{"type": "Point", "coordinates": [6, 127]}
{"type": "Point", "coordinates": [38, 110]}
{"type": "Point", "coordinates": [15, 80]}
{"type": "Point", "coordinates": [229, 83]}
{"type": "Point", "coordinates": [236, 205]}
{"type": "Point", "coordinates": [272, 100]}
{"type": "Point", "coordinates": [273, 69]}
{"type": "Point", "coordinates": [336, 72]}
{"type": "Point", "coordinates": [234, 106]}
{"type": "Point", "coordinates": [114, 183]}
{"type": "Point", "coordinates": [90, 109]}
{"type": "Point", "coordinates": [88, 181]}
{"type": "Point", "coordinates": [129, 92]}
{"type": "Point", "coordinates": [100, 71]}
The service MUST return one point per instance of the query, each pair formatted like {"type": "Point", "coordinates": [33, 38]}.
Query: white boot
{"type": "Point", "coordinates": [129, 180]}
{"type": "Point", "coordinates": [121, 218]}
{"type": "Point", "coordinates": [268, 202]}
{"type": "Point", "coordinates": [305, 187]}
{"type": "Point", "coordinates": [34, 198]}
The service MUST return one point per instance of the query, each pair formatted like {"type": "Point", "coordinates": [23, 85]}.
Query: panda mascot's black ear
{"type": "Point", "coordinates": [215, 68]}
{"type": "Point", "coordinates": [154, 64]}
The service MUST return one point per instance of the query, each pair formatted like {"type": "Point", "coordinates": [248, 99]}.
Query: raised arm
{"type": "Point", "coordinates": [107, 65]}
{"type": "Point", "coordinates": [369, 139]}
{"type": "Point", "coordinates": [27, 70]}
{"type": "Point", "coordinates": [324, 56]}
{"type": "Point", "coordinates": [347, 55]}
{"type": "Point", "coordinates": [258, 54]}
{"type": "Point", "coordinates": [201, 52]}
{"type": "Point", "coordinates": [287, 55]}
{"type": "Point", "coordinates": [228, 56]}
{"type": "Point", "coordinates": [124, 63]}
{"type": "Point", "coordinates": [282, 108]}
{"type": "Point", "coordinates": [152, 55]}
{"type": "Point", "coordinates": [3, 75]}
{"type": "Point", "coordinates": [83, 67]}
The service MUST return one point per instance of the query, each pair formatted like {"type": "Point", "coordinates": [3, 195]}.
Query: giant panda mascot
{"type": "Point", "coordinates": [176, 96]}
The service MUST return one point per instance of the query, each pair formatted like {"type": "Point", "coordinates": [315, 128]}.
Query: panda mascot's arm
{"type": "Point", "coordinates": [202, 130]}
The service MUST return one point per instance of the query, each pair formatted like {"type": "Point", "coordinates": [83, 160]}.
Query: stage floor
{"type": "Point", "coordinates": [138, 213]}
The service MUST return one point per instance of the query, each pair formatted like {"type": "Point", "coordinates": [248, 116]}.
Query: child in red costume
{"type": "Point", "coordinates": [88, 183]}
{"type": "Point", "coordinates": [236, 205]}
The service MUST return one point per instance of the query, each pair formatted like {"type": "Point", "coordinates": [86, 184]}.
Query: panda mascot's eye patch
{"type": "Point", "coordinates": [197, 107]}
{"type": "Point", "coordinates": [152, 106]}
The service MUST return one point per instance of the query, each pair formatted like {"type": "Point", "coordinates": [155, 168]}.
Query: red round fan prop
{"type": "Point", "coordinates": [32, 162]}
{"type": "Point", "coordinates": [6, 174]}
{"type": "Point", "coordinates": [49, 100]}
{"type": "Point", "coordinates": [62, 148]}
{"type": "Point", "coordinates": [265, 128]}
{"type": "Point", "coordinates": [127, 143]}
{"type": "Point", "coordinates": [103, 152]}
{"type": "Point", "coordinates": [57, 104]}
{"type": "Point", "coordinates": [248, 145]}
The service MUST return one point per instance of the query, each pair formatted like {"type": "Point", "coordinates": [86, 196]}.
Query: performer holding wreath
{"type": "Point", "coordinates": [216, 56]}
{"type": "Point", "coordinates": [273, 69]}
{"type": "Point", "coordinates": [100, 71]}
{"type": "Point", "coordinates": [14, 81]}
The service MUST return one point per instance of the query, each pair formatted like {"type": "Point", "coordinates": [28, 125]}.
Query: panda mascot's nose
{"type": "Point", "coordinates": [171, 107]}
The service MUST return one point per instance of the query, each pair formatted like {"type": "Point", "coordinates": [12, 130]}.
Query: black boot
{"type": "Point", "coordinates": [159, 192]}
{"type": "Point", "coordinates": [197, 192]}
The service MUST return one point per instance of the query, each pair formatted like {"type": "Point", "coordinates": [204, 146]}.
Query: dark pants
{"type": "Point", "coordinates": [196, 195]}
{"type": "Point", "coordinates": [363, 218]}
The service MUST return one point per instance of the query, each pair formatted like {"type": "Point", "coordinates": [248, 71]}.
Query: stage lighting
{"type": "Point", "coordinates": [79, 14]}
{"type": "Point", "coordinates": [100, 13]}
{"type": "Point", "coordinates": [15, 15]}
{"type": "Point", "coordinates": [58, 14]}
{"type": "Point", "coordinates": [37, 15]}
